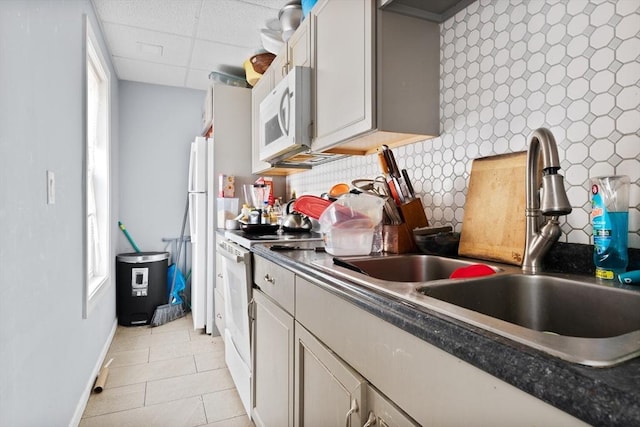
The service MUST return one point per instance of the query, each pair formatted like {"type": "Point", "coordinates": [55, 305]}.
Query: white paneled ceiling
{"type": "Point", "coordinates": [179, 42]}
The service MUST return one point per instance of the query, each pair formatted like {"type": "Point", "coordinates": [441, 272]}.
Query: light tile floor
{"type": "Point", "coordinates": [168, 376]}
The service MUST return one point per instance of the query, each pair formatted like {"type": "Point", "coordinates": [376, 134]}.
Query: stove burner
{"type": "Point", "coordinates": [285, 236]}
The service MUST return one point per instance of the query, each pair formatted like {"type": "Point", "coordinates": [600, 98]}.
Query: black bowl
{"type": "Point", "coordinates": [439, 244]}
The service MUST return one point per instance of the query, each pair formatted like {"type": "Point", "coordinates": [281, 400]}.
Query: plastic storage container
{"type": "Point", "coordinates": [350, 240]}
{"type": "Point", "coordinates": [349, 224]}
{"type": "Point", "coordinates": [141, 286]}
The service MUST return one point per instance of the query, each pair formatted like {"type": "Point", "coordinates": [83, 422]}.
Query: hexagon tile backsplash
{"type": "Point", "coordinates": [507, 68]}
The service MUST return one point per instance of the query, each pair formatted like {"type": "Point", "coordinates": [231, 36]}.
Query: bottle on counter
{"type": "Point", "coordinates": [266, 217]}
{"type": "Point", "coordinates": [610, 221]}
{"type": "Point", "coordinates": [246, 211]}
{"type": "Point", "coordinates": [276, 211]}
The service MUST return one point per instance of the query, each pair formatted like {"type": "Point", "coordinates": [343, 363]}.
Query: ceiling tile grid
{"type": "Point", "coordinates": [507, 68]}
{"type": "Point", "coordinates": [149, 39]}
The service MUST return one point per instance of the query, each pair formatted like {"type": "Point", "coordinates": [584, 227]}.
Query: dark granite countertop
{"type": "Point", "coordinates": [599, 396]}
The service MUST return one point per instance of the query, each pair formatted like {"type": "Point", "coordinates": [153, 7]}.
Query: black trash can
{"type": "Point", "coordinates": [141, 286]}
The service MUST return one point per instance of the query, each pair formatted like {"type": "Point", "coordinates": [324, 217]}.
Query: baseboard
{"type": "Point", "coordinates": [82, 404]}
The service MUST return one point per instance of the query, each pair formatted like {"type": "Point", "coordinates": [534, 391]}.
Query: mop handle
{"type": "Point", "coordinates": [180, 243]}
{"type": "Point", "coordinates": [126, 234]}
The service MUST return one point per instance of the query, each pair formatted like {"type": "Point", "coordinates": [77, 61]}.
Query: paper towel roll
{"type": "Point", "coordinates": [102, 378]}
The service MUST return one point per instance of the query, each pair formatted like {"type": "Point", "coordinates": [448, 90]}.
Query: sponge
{"type": "Point", "coordinates": [474, 270]}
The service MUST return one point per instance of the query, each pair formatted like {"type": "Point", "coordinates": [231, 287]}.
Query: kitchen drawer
{"type": "Point", "coordinates": [276, 282]}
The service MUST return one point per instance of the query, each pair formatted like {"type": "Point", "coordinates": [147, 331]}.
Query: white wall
{"type": "Point", "coordinates": [48, 352]}
{"type": "Point", "coordinates": [157, 126]}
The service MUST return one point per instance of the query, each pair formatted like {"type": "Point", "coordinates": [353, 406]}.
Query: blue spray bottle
{"type": "Point", "coordinates": [610, 221]}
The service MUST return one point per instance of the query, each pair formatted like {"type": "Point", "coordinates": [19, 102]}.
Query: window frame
{"type": "Point", "coordinates": [94, 286]}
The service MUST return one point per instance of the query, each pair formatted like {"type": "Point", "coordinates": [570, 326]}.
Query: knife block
{"type": "Point", "coordinates": [398, 239]}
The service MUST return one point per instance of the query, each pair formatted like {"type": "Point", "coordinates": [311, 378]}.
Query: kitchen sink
{"type": "Point", "coordinates": [408, 268]}
{"type": "Point", "coordinates": [548, 304]}
{"type": "Point", "coordinates": [574, 318]}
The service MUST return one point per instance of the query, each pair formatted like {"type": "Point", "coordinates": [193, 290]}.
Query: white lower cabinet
{"type": "Point", "coordinates": [381, 412]}
{"type": "Point", "coordinates": [326, 362]}
{"type": "Point", "coordinates": [218, 302]}
{"type": "Point", "coordinates": [328, 391]}
{"type": "Point", "coordinates": [297, 380]}
{"type": "Point", "coordinates": [272, 355]}
{"type": "Point", "coordinates": [219, 311]}
{"type": "Point", "coordinates": [430, 385]}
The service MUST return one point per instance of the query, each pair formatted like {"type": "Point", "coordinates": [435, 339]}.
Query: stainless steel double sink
{"type": "Point", "coordinates": [571, 317]}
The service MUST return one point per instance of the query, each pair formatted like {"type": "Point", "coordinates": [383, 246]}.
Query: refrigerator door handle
{"type": "Point", "coordinates": [192, 218]}
{"type": "Point", "coordinates": [192, 167]}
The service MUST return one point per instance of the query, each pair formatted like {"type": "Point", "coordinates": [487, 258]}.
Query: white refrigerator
{"type": "Point", "coordinates": [198, 199]}
{"type": "Point", "coordinates": [227, 152]}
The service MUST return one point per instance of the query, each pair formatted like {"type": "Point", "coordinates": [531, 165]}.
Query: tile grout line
{"type": "Point", "coordinates": [146, 384]}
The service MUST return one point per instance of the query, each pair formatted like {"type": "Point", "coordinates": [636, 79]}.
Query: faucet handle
{"type": "Point", "coordinates": [553, 200]}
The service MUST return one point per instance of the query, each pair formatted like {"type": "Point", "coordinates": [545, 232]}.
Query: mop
{"type": "Point", "coordinates": [128, 236]}
{"type": "Point", "coordinates": [174, 309]}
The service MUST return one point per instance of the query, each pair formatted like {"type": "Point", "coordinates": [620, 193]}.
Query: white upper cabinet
{"type": "Point", "coordinates": [295, 52]}
{"type": "Point", "coordinates": [375, 77]}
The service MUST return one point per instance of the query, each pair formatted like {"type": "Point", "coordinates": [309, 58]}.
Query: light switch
{"type": "Point", "coordinates": [51, 188]}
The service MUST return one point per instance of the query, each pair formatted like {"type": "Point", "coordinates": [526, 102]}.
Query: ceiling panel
{"type": "Point", "coordinates": [197, 79]}
{"type": "Point", "coordinates": [138, 43]}
{"type": "Point", "coordinates": [210, 55]}
{"type": "Point", "coordinates": [180, 42]}
{"type": "Point", "coordinates": [167, 16]}
{"type": "Point", "coordinates": [147, 72]}
{"type": "Point", "coordinates": [219, 21]}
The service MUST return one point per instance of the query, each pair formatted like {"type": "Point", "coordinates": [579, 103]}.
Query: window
{"type": "Point", "coordinates": [97, 170]}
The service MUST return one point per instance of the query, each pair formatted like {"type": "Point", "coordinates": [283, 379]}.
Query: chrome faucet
{"type": "Point", "coordinates": [548, 201]}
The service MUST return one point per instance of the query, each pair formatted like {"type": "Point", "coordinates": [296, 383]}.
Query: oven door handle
{"type": "Point", "coordinates": [234, 258]}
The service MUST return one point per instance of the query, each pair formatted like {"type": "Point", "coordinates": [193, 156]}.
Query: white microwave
{"type": "Point", "coordinates": [285, 117]}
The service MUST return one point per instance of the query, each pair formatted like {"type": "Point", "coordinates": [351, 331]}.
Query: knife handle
{"type": "Point", "coordinates": [394, 190]}
{"type": "Point", "coordinates": [397, 183]}
{"type": "Point", "coordinates": [407, 182]}
{"type": "Point", "coordinates": [383, 163]}
{"type": "Point", "coordinates": [391, 162]}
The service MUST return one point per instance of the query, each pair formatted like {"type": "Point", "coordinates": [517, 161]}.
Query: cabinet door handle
{"type": "Point", "coordinates": [251, 309]}
{"type": "Point", "coordinates": [353, 409]}
{"type": "Point", "coordinates": [371, 420]}
{"type": "Point", "coordinates": [219, 316]}
{"type": "Point", "coordinates": [220, 276]}
{"type": "Point", "coordinates": [269, 279]}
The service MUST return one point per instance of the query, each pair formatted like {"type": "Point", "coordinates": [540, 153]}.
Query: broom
{"type": "Point", "coordinates": [174, 309]}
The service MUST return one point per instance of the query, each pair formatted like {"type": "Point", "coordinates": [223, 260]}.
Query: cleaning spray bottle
{"type": "Point", "coordinates": [610, 221]}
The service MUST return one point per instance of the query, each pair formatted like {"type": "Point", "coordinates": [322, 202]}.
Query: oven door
{"type": "Point", "coordinates": [236, 271]}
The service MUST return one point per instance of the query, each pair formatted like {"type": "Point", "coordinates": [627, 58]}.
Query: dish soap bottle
{"type": "Point", "coordinates": [610, 221]}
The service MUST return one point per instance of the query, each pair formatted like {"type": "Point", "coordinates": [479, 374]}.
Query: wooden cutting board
{"type": "Point", "coordinates": [494, 213]}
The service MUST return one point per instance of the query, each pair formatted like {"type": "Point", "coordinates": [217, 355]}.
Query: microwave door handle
{"type": "Point", "coordinates": [284, 114]}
